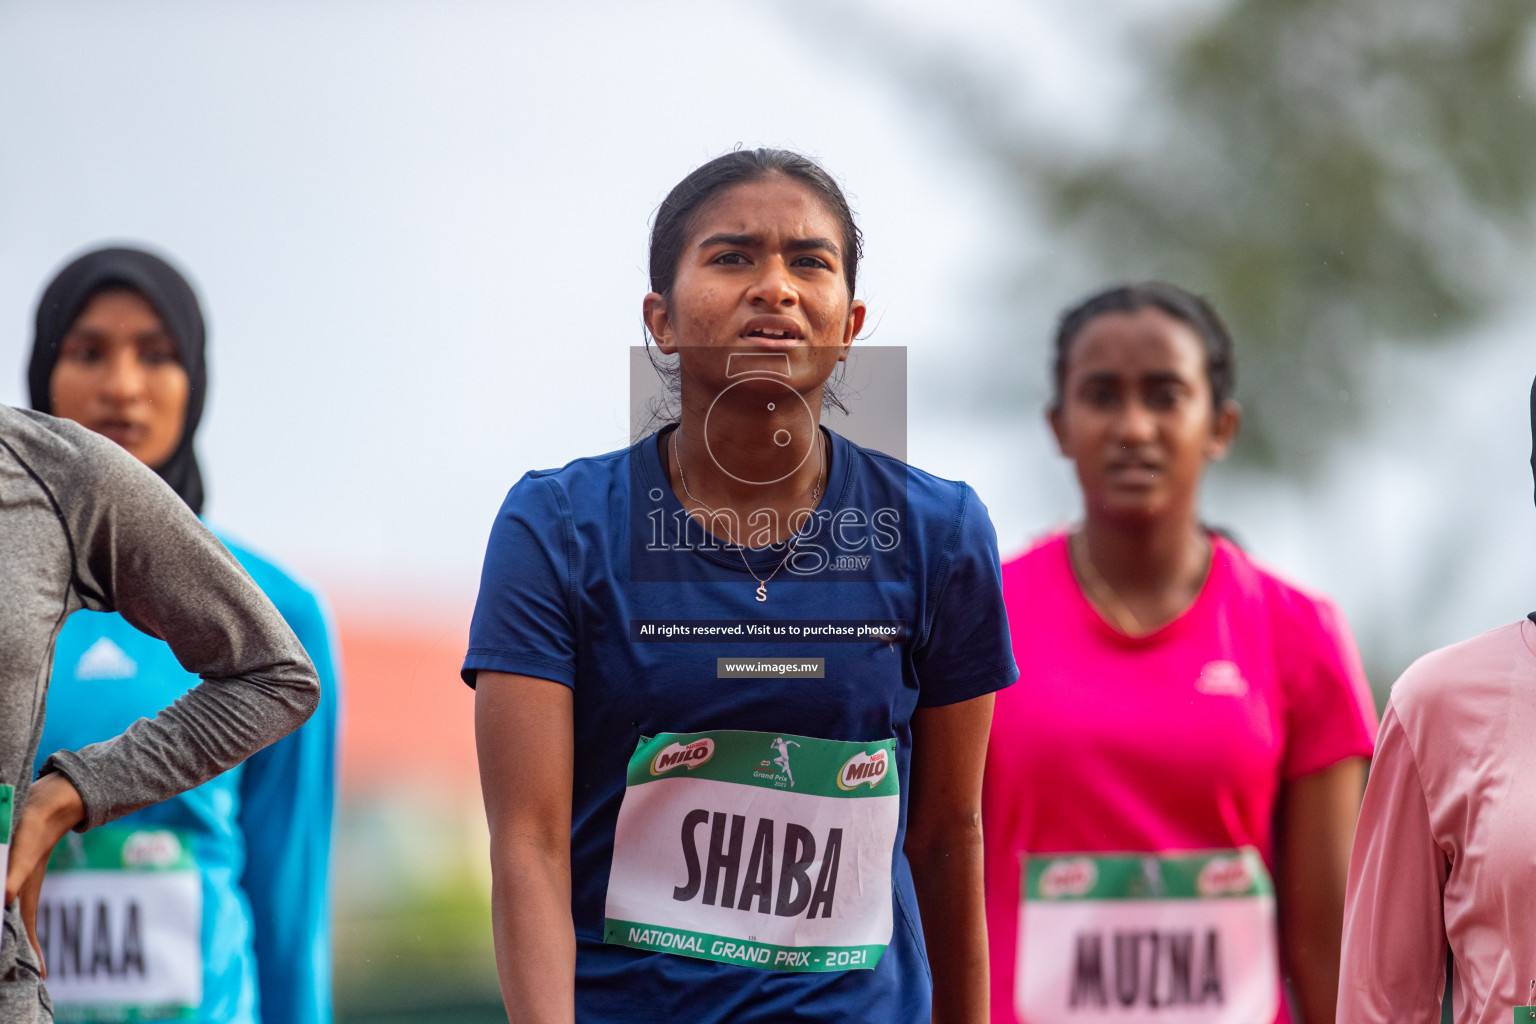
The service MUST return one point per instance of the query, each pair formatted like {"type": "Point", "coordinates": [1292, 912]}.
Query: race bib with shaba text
{"type": "Point", "coordinates": [757, 849]}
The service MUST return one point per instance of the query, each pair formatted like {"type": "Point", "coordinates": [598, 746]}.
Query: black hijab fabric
{"type": "Point", "coordinates": [172, 298]}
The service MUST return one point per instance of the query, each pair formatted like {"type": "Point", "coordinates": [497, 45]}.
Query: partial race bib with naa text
{"type": "Point", "coordinates": [120, 923]}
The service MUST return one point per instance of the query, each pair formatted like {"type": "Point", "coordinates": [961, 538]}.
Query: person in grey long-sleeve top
{"type": "Point", "coordinates": [85, 525]}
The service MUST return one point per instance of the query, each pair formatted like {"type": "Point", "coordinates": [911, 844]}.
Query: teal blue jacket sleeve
{"type": "Point", "coordinates": [288, 801]}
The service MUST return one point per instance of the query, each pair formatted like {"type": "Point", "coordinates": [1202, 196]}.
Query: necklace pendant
{"type": "Point", "coordinates": [762, 591]}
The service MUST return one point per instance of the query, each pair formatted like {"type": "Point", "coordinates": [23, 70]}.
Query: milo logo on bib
{"type": "Point", "coordinates": [864, 770]}
{"type": "Point", "coordinates": [759, 849]}
{"type": "Point", "coordinates": [1184, 939]}
{"type": "Point", "coordinates": [676, 755]}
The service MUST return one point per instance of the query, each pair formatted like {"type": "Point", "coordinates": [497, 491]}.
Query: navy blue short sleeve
{"type": "Point", "coordinates": [523, 620]}
{"type": "Point", "coordinates": [966, 650]}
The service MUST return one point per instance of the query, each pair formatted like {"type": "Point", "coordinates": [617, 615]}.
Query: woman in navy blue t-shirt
{"type": "Point", "coordinates": [733, 683]}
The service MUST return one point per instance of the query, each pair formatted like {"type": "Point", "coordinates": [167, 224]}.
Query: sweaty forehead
{"type": "Point", "coordinates": [775, 207]}
{"type": "Point", "coordinates": [1146, 342]}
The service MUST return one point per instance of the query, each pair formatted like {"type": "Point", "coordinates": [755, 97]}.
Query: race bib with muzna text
{"type": "Point", "coordinates": [1186, 938]}
{"type": "Point", "coordinates": [120, 925]}
{"type": "Point", "coordinates": [758, 849]}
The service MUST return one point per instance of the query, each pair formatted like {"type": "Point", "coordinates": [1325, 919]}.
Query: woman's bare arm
{"type": "Point", "coordinates": [524, 738]}
{"type": "Point", "coordinates": [1317, 827]}
{"type": "Point", "coordinates": [949, 746]}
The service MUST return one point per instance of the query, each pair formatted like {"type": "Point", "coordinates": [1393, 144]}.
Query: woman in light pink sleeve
{"type": "Point", "coordinates": [1445, 852]}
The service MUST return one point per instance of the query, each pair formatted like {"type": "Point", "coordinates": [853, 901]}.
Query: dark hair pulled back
{"type": "Point", "coordinates": [675, 219]}
{"type": "Point", "coordinates": [1185, 307]}
{"type": "Point", "coordinates": [675, 216]}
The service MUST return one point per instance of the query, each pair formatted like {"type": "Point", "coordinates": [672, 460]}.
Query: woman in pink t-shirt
{"type": "Point", "coordinates": [1182, 758]}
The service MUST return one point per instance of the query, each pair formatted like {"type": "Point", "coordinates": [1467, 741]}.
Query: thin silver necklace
{"type": "Point", "coordinates": [762, 584]}
{"type": "Point", "coordinates": [1105, 597]}
{"type": "Point", "coordinates": [1099, 590]}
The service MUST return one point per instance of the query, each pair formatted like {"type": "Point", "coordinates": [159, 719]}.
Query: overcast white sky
{"type": "Point", "coordinates": [419, 234]}
{"type": "Point", "coordinates": [419, 229]}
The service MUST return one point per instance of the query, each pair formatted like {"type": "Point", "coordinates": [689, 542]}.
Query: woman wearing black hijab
{"type": "Point", "coordinates": [169, 298]}
{"type": "Point", "coordinates": [233, 925]}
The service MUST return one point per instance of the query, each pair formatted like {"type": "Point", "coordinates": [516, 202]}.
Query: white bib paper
{"type": "Point", "coordinates": [120, 925]}
{"type": "Point", "coordinates": [756, 849]}
{"type": "Point", "coordinates": [1179, 939]}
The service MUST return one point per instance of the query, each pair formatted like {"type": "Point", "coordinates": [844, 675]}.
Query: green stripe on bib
{"type": "Point", "coordinates": [123, 849]}
{"type": "Point", "coordinates": [123, 1013]}
{"type": "Point", "coordinates": [1201, 875]}
{"type": "Point", "coordinates": [724, 949]}
{"type": "Point", "coordinates": [798, 764]}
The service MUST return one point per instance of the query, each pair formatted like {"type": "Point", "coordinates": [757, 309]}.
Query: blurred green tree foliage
{"type": "Point", "coordinates": [1335, 174]}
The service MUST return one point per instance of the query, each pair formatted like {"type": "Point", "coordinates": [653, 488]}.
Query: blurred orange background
{"type": "Point", "coordinates": [407, 716]}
